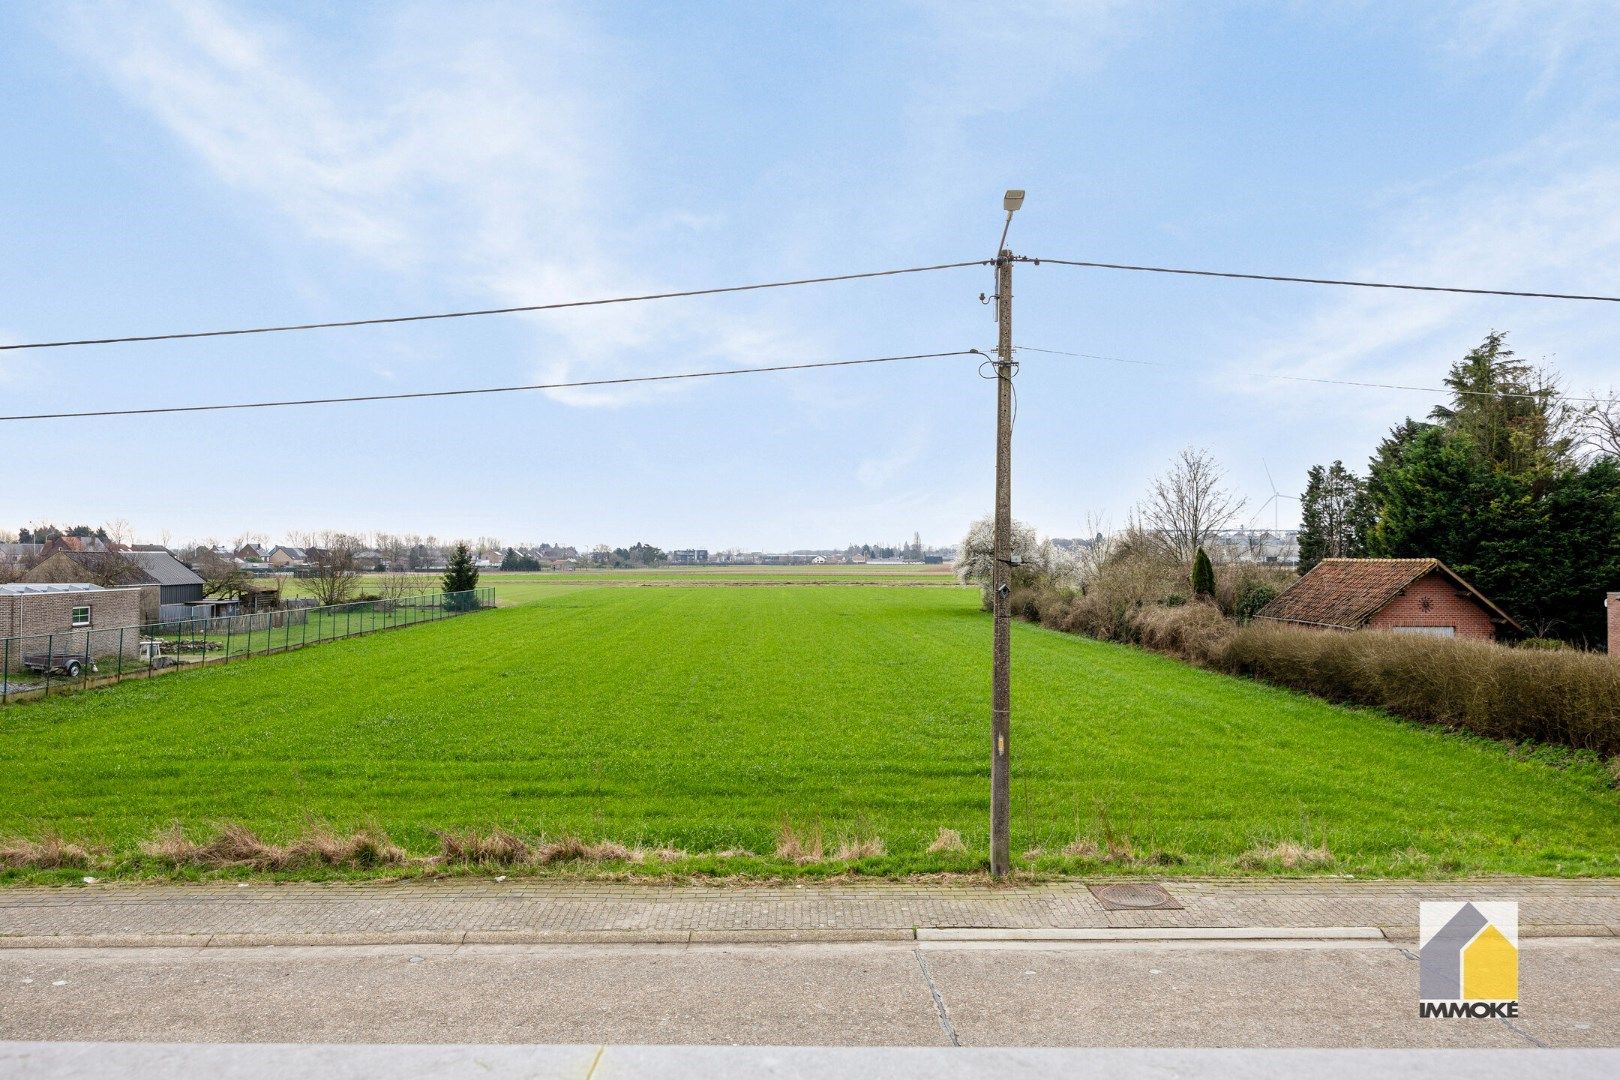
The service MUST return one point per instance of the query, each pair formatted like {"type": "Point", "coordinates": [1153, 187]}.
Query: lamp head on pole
{"type": "Point", "coordinates": [1012, 200]}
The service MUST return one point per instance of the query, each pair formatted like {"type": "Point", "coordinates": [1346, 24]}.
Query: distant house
{"type": "Point", "coordinates": [177, 583]}
{"type": "Point", "coordinates": [282, 557]}
{"type": "Point", "coordinates": [250, 553]}
{"type": "Point", "coordinates": [1406, 596]}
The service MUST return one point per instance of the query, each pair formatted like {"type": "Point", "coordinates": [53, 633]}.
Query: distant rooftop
{"type": "Point", "coordinates": [24, 587]}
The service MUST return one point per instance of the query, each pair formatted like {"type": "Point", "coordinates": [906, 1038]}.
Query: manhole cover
{"type": "Point", "coordinates": [1134, 897]}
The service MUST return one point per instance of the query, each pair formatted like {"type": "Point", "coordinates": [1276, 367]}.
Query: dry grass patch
{"type": "Point", "coordinates": [498, 848]}
{"type": "Point", "coordinates": [364, 849]}
{"type": "Point", "coordinates": [1111, 850]}
{"type": "Point", "coordinates": [851, 848]}
{"type": "Point", "coordinates": [49, 852]}
{"type": "Point", "coordinates": [946, 840]}
{"type": "Point", "coordinates": [805, 847]}
{"type": "Point", "coordinates": [1287, 855]}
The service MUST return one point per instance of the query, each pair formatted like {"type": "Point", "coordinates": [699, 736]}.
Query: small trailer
{"type": "Point", "coordinates": [49, 664]}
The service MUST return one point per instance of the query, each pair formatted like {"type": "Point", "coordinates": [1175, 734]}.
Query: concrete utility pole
{"type": "Point", "coordinates": [1001, 573]}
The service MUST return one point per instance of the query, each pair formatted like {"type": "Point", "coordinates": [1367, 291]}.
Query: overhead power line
{"type": "Point", "coordinates": [582, 383]}
{"type": "Point", "coordinates": [1443, 391]}
{"type": "Point", "coordinates": [1327, 281]}
{"type": "Point", "coordinates": [560, 305]}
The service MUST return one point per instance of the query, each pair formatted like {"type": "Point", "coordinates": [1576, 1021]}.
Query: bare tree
{"type": "Point", "coordinates": [334, 572]}
{"type": "Point", "coordinates": [1189, 504]}
{"type": "Point", "coordinates": [222, 577]}
{"type": "Point", "coordinates": [1600, 425]}
{"type": "Point", "coordinates": [111, 566]}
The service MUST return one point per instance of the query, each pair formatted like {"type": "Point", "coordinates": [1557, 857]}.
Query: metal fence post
{"type": "Point", "coordinates": [5, 675]}
{"type": "Point", "coordinates": [120, 652]}
{"type": "Point", "coordinates": [50, 659]}
{"type": "Point", "coordinates": [227, 642]}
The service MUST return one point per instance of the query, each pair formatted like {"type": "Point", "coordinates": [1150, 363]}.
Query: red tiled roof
{"type": "Point", "coordinates": [1345, 593]}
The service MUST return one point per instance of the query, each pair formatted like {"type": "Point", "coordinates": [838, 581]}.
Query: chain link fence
{"type": "Point", "coordinates": [33, 666]}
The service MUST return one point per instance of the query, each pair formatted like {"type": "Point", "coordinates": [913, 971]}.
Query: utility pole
{"type": "Point", "coordinates": [1001, 573]}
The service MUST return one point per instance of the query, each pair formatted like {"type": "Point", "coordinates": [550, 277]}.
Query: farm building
{"type": "Point", "coordinates": [60, 616]}
{"type": "Point", "coordinates": [1407, 596]}
{"type": "Point", "coordinates": [178, 583]}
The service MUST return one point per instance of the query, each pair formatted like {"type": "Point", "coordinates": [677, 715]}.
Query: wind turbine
{"type": "Point", "coordinates": [1275, 502]}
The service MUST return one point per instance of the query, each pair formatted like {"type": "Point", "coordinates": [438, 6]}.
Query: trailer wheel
{"type": "Point", "coordinates": [73, 669]}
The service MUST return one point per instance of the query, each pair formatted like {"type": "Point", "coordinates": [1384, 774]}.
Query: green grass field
{"type": "Point", "coordinates": [700, 718]}
{"type": "Point", "coordinates": [525, 587]}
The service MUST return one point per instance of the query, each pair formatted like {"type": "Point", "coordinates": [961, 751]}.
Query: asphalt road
{"type": "Point", "coordinates": [1340, 994]}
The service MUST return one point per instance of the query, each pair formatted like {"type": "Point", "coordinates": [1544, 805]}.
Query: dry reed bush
{"type": "Point", "coordinates": [796, 847]}
{"type": "Point", "coordinates": [1561, 696]}
{"type": "Point", "coordinates": [946, 840]}
{"type": "Point", "coordinates": [1197, 632]}
{"type": "Point", "coordinates": [49, 852]}
{"type": "Point", "coordinates": [1287, 855]}
{"type": "Point", "coordinates": [851, 848]}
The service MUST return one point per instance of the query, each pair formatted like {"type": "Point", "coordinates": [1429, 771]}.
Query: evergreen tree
{"type": "Point", "coordinates": [1336, 513]}
{"type": "Point", "coordinates": [461, 575]}
{"type": "Point", "coordinates": [1492, 487]}
{"type": "Point", "coordinates": [1203, 574]}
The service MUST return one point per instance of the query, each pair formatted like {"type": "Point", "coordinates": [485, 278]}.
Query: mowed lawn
{"type": "Point", "coordinates": [700, 718]}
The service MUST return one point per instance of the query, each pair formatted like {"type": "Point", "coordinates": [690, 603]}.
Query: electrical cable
{"type": "Point", "coordinates": [1324, 281]}
{"type": "Point", "coordinates": [487, 390]}
{"type": "Point", "coordinates": [489, 311]}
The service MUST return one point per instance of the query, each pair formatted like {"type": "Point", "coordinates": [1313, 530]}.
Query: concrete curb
{"type": "Point", "coordinates": [1159, 933]}
{"type": "Point", "coordinates": [1145, 935]}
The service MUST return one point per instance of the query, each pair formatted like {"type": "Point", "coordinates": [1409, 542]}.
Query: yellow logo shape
{"type": "Point", "coordinates": [1490, 968]}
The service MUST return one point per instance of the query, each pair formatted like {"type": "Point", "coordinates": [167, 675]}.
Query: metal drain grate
{"type": "Point", "coordinates": [1134, 897]}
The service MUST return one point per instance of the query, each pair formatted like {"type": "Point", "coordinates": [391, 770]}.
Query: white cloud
{"type": "Point", "coordinates": [463, 149]}
{"type": "Point", "coordinates": [1544, 219]}
{"type": "Point", "coordinates": [883, 471]}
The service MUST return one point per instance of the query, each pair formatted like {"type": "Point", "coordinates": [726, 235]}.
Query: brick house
{"type": "Point", "coordinates": [64, 617]}
{"type": "Point", "coordinates": [177, 583]}
{"type": "Point", "coordinates": [1406, 596]}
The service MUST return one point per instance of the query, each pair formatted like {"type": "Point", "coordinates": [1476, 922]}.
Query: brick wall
{"type": "Point", "coordinates": [1433, 600]}
{"type": "Point", "coordinates": [1614, 623]}
{"type": "Point", "coordinates": [44, 621]}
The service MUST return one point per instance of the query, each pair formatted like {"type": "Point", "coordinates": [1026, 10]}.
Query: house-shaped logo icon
{"type": "Point", "coordinates": [1469, 953]}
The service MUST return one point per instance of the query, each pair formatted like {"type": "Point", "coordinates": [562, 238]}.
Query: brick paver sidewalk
{"type": "Point", "coordinates": [527, 910]}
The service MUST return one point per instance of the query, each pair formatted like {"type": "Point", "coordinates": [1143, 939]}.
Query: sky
{"type": "Point", "coordinates": [199, 164]}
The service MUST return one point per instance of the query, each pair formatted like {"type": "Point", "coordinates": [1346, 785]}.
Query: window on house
{"type": "Point", "coordinates": [1436, 631]}
{"type": "Point", "coordinates": [81, 616]}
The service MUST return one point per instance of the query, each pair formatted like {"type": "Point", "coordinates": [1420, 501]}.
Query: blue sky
{"type": "Point", "coordinates": [175, 166]}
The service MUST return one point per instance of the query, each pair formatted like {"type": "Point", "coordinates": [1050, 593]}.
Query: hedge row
{"type": "Point", "coordinates": [1552, 696]}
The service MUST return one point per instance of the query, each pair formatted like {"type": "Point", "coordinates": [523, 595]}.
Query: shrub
{"type": "Point", "coordinates": [1549, 696]}
{"type": "Point", "coordinates": [1203, 574]}
{"type": "Point", "coordinates": [1251, 597]}
{"type": "Point", "coordinates": [1196, 632]}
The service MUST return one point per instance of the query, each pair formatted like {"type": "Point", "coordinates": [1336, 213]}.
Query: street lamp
{"type": "Point", "coordinates": [1010, 202]}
